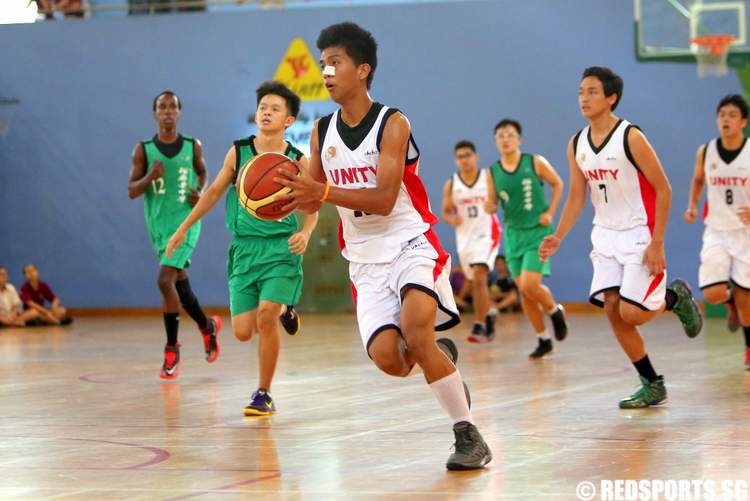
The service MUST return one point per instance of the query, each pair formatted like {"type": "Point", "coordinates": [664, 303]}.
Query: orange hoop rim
{"type": "Point", "coordinates": [716, 44]}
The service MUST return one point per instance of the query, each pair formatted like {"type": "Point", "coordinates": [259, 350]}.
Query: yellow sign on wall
{"type": "Point", "coordinates": [299, 71]}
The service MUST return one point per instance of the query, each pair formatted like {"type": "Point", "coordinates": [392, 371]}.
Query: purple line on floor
{"type": "Point", "coordinates": [228, 486]}
{"type": "Point", "coordinates": [160, 455]}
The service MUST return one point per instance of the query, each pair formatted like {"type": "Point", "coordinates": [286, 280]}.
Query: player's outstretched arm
{"type": "Point", "coordinates": [212, 195]}
{"type": "Point", "coordinates": [648, 163]}
{"type": "Point", "coordinates": [571, 210]}
{"type": "Point", "coordinates": [449, 213]}
{"type": "Point", "coordinates": [379, 200]}
{"type": "Point", "coordinates": [696, 188]}
{"type": "Point", "coordinates": [139, 180]}
{"type": "Point", "coordinates": [549, 175]}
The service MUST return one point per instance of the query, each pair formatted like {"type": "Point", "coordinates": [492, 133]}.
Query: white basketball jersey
{"type": "Point", "coordinates": [727, 187]}
{"type": "Point", "coordinates": [621, 195]}
{"type": "Point", "coordinates": [370, 238]}
{"type": "Point", "coordinates": [468, 200]}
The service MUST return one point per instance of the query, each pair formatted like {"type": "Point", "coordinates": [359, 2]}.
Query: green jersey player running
{"type": "Point", "coordinates": [264, 266]}
{"type": "Point", "coordinates": [169, 171]}
{"type": "Point", "coordinates": [517, 179]}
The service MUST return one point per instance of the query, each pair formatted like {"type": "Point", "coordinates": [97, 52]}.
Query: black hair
{"type": "Point", "coordinates": [734, 100]}
{"type": "Point", "coordinates": [465, 143]}
{"type": "Point", "coordinates": [611, 81]}
{"type": "Point", "coordinates": [358, 43]}
{"type": "Point", "coordinates": [509, 121]}
{"type": "Point", "coordinates": [167, 93]}
{"type": "Point", "coordinates": [277, 88]}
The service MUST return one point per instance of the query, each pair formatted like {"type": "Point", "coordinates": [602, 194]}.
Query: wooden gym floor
{"type": "Point", "coordinates": [84, 416]}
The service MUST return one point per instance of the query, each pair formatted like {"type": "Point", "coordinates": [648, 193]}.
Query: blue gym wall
{"type": "Point", "coordinates": [85, 91]}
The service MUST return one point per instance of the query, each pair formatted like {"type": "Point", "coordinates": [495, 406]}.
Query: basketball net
{"type": "Point", "coordinates": [711, 54]}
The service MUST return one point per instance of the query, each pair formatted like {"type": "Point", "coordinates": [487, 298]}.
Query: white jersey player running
{"type": "Point", "coordinates": [365, 161]}
{"type": "Point", "coordinates": [477, 233]}
{"type": "Point", "coordinates": [631, 197]}
{"type": "Point", "coordinates": [723, 165]}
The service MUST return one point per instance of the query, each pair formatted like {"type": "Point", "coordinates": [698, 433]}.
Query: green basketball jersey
{"type": "Point", "coordinates": [521, 193]}
{"type": "Point", "coordinates": [239, 221]}
{"type": "Point", "coordinates": [166, 202]}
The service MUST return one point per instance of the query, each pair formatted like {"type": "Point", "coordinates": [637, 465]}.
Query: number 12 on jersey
{"type": "Point", "coordinates": [158, 186]}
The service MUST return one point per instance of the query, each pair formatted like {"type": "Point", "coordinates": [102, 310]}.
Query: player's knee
{"type": "Point", "coordinates": [165, 284]}
{"type": "Point", "coordinates": [412, 328]}
{"type": "Point", "coordinates": [243, 331]}
{"type": "Point", "coordinates": [526, 289]}
{"type": "Point", "coordinates": [390, 364]}
{"type": "Point", "coordinates": [631, 314]}
{"type": "Point", "coordinates": [268, 319]}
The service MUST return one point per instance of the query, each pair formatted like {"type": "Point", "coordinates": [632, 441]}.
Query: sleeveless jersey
{"type": "Point", "coordinates": [166, 203]}
{"type": "Point", "coordinates": [521, 193]}
{"type": "Point", "coordinates": [239, 221]}
{"type": "Point", "coordinates": [621, 195]}
{"type": "Point", "coordinates": [371, 238]}
{"type": "Point", "coordinates": [727, 187]}
{"type": "Point", "coordinates": [469, 202]}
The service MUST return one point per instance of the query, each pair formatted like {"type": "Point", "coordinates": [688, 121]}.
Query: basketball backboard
{"type": "Point", "coordinates": [664, 28]}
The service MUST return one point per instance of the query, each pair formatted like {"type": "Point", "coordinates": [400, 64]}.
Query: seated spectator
{"type": "Point", "coordinates": [35, 295]}
{"type": "Point", "coordinates": [505, 295]}
{"type": "Point", "coordinates": [10, 304]}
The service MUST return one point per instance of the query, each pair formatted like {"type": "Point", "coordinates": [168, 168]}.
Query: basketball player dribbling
{"type": "Point", "coordinates": [264, 265]}
{"type": "Point", "coordinates": [723, 164]}
{"type": "Point", "coordinates": [364, 160]}
{"type": "Point", "coordinates": [169, 171]}
{"type": "Point", "coordinates": [477, 233]}
{"type": "Point", "coordinates": [631, 197]}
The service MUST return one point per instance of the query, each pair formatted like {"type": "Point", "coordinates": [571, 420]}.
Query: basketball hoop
{"type": "Point", "coordinates": [711, 54]}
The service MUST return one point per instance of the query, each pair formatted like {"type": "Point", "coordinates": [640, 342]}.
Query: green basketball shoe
{"type": "Point", "coordinates": [686, 308]}
{"type": "Point", "coordinates": [649, 394]}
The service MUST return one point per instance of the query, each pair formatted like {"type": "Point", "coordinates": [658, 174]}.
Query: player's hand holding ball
{"type": "Point", "coordinates": [545, 219]}
{"type": "Point", "coordinates": [157, 170]}
{"type": "Point", "coordinates": [305, 189]}
{"type": "Point", "coordinates": [654, 258]}
{"type": "Point", "coordinates": [691, 215]}
{"type": "Point", "coordinates": [175, 241]}
{"type": "Point", "coordinates": [744, 214]}
{"type": "Point", "coordinates": [298, 242]}
{"type": "Point", "coordinates": [549, 246]}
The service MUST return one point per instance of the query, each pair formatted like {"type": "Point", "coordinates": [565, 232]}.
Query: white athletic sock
{"type": "Point", "coordinates": [553, 310]}
{"type": "Point", "coordinates": [492, 312]}
{"type": "Point", "coordinates": [449, 392]}
{"type": "Point", "coordinates": [543, 335]}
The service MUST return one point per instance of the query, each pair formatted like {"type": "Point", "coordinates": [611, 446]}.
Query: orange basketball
{"type": "Point", "coordinates": [256, 188]}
